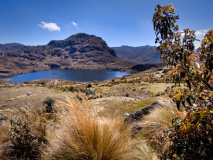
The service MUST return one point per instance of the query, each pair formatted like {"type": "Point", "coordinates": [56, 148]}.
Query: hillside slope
{"type": "Point", "coordinates": [142, 54]}
{"type": "Point", "coordinates": [80, 51]}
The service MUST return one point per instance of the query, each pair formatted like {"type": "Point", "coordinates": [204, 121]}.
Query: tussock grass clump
{"type": "Point", "coordinates": [159, 127]}
{"type": "Point", "coordinates": [145, 152]}
{"type": "Point", "coordinates": [83, 135]}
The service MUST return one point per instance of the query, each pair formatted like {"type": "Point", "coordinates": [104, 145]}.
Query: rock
{"type": "Point", "coordinates": [126, 114]}
{"type": "Point", "coordinates": [57, 126]}
{"type": "Point", "coordinates": [167, 89]}
{"type": "Point", "coordinates": [29, 93]}
{"type": "Point", "coordinates": [50, 123]}
{"type": "Point", "coordinates": [53, 83]}
{"type": "Point", "coordinates": [2, 106]}
{"type": "Point", "coordinates": [146, 110]}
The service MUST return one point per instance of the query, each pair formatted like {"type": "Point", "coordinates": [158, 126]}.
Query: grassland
{"type": "Point", "coordinates": [110, 99]}
{"type": "Point", "coordinates": [127, 94]}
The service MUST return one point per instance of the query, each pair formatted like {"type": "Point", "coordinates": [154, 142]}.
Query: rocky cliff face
{"type": "Point", "coordinates": [80, 51]}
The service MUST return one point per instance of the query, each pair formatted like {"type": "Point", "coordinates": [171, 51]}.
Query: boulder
{"type": "Point", "coordinates": [146, 110]}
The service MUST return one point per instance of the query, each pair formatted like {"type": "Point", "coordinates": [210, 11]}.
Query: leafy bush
{"type": "Point", "coordinates": [90, 92]}
{"type": "Point", "coordinates": [95, 82]}
{"type": "Point", "coordinates": [26, 82]}
{"type": "Point", "coordinates": [177, 50]}
{"type": "Point", "coordinates": [27, 134]}
{"type": "Point", "coordinates": [127, 95]}
{"type": "Point", "coordinates": [48, 101]}
{"type": "Point", "coordinates": [192, 135]}
{"type": "Point", "coordinates": [72, 89]}
{"type": "Point", "coordinates": [89, 85]}
{"type": "Point", "coordinates": [3, 117]}
{"type": "Point", "coordinates": [41, 81]}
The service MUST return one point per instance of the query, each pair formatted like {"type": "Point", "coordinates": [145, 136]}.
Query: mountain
{"type": "Point", "coordinates": [14, 45]}
{"type": "Point", "coordinates": [142, 54]}
{"type": "Point", "coordinates": [80, 51]}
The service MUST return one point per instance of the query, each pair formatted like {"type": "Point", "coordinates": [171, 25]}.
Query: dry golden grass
{"type": "Point", "coordinates": [4, 132]}
{"type": "Point", "coordinates": [114, 106]}
{"type": "Point", "coordinates": [16, 97]}
{"type": "Point", "coordinates": [158, 122]}
{"type": "Point", "coordinates": [83, 135]}
{"type": "Point", "coordinates": [145, 152]}
{"type": "Point", "coordinates": [4, 140]}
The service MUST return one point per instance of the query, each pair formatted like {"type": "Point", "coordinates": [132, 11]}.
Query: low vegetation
{"type": "Point", "coordinates": [47, 130]}
{"type": "Point", "coordinates": [23, 134]}
{"type": "Point", "coordinates": [87, 119]}
{"type": "Point", "coordinates": [83, 135]}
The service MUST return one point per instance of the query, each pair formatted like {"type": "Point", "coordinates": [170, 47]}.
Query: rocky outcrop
{"type": "Point", "coordinates": [146, 110]}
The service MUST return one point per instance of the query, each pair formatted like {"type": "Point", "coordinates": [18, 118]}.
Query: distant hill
{"type": "Point", "coordinates": [80, 51]}
{"type": "Point", "coordinates": [142, 54]}
{"type": "Point", "coordinates": [14, 45]}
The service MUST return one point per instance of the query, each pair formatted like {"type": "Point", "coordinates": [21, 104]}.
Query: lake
{"type": "Point", "coordinates": [68, 74]}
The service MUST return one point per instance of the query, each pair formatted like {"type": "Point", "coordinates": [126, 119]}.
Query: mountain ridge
{"type": "Point", "coordinates": [139, 54]}
{"type": "Point", "coordinates": [79, 51]}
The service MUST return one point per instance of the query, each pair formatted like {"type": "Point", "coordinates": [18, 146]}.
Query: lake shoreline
{"type": "Point", "coordinates": [83, 75]}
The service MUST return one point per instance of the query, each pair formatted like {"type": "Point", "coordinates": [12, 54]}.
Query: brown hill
{"type": "Point", "coordinates": [142, 54]}
{"type": "Point", "coordinates": [80, 51]}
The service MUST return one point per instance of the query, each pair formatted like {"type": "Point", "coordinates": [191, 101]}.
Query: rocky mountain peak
{"type": "Point", "coordinates": [82, 51]}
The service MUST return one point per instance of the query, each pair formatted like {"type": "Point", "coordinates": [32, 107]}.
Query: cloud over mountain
{"type": "Point", "coordinates": [74, 24]}
{"type": "Point", "coordinates": [49, 26]}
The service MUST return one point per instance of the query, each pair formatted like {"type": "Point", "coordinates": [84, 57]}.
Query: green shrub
{"type": "Point", "coordinates": [72, 89]}
{"type": "Point", "coordinates": [127, 95]}
{"type": "Point", "coordinates": [89, 85]}
{"type": "Point", "coordinates": [27, 135]}
{"type": "Point", "coordinates": [2, 117]}
{"type": "Point", "coordinates": [90, 92]}
{"type": "Point", "coordinates": [49, 104]}
{"type": "Point", "coordinates": [95, 82]}
{"type": "Point", "coordinates": [82, 90]}
{"type": "Point", "coordinates": [42, 82]}
{"type": "Point", "coordinates": [192, 136]}
{"type": "Point", "coordinates": [26, 82]}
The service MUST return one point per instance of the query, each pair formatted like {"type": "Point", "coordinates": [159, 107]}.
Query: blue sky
{"type": "Point", "coordinates": [118, 22]}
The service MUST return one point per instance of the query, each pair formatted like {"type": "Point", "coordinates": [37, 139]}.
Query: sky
{"type": "Point", "coordinates": [118, 22]}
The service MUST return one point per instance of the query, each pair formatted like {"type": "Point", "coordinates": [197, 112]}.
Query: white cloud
{"type": "Point", "coordinates": [74, 24]}
{"type": "Point", "coordinates": [49, 26]}
{"type": "Point", "coordinates": [182, 33]}
{"type": "Point", "coordinates": [201, 32]}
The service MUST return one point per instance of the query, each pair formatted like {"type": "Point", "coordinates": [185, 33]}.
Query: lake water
{"type": "Point", "coordinates": [68, 74]}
